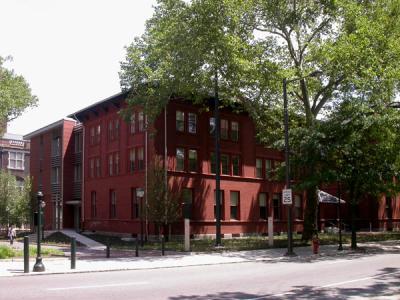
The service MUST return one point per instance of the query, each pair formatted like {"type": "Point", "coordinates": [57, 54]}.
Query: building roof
{"type": "Point", "coordinates": [48, 127]}
{"type": "Point", "coordinates": [114, 99]}
{"type": "Point", "coordinates": [12, 136]}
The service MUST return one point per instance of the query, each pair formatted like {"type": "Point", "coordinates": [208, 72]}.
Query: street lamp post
{"type": "Point", "coordinates": [39, 267]}
{"type": "Point", "coordinates": [287, 169]}
{"type": "Point", "coordinates": [340, 248]}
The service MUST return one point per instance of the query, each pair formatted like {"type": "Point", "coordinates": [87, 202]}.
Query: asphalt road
{"type": "Point", "coordinates": [364, 277]}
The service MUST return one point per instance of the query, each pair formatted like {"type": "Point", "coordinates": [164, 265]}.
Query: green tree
{"type": "Point", "coordinates": [351, 44]}
{"type": "Point", "coordinates": [163, 206]}
{"type": "Point", "coordinates": [363, 150]}
{"type": "Point", "coordinates": [356, 145]}
{"type": "Point", "coordinates": [189, 50]}
{"type": "Point", "coordinates": [250, 46]}
{"type": "Point", "coordinates": [14, 201]}
{"type": "Point", "coordinates": [15, 94]}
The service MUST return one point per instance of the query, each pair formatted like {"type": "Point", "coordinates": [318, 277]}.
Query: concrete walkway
{"type": "Point", "coordinates": [95, 260]}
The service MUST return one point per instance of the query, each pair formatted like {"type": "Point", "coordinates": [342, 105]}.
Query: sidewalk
{"type": "Point", "coordinates": [95, 260]}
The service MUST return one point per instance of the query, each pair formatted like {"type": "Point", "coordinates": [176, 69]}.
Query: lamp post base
{"type": "Point", "coordinates": [290, 254]}
{"type": "Point", "coordinates": [39, 266]}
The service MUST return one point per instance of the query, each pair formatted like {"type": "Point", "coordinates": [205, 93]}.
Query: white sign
{"type": "Point", "coordinates": [287, 196]}
{"type": "Point", "coordinates": [139, 192]}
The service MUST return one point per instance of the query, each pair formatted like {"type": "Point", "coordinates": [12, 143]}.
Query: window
{"type": "Point", "coordinates": [116, 129]}
{"type": "Point", "coordinates": [141, 121]}
{"type": "Point", "coordinates": [212, 126]}
{"type": "Point", "coordinates": [221, 206]}
{"type": "Point", "coordinates": [187, 199]}
{"type": "Point", "coordinates": [388, 208]}
{"type": "Point", "coordinates": [78, 142]}
{"type": "Point", "coordinates": [235, 205]}
{"type": "Point", "coordinates": [56, 146]}
{"type": "Point", "coordinates": [55, 175]}
{"type": "Point", "coordinates": [259, 168]}
{"type": "Point", "coordinates": [192, 160]}
{"type": "Point", "coordinates": [180, 159]}
{"type": "Point", "coordinates": [20, 184]}
{"type": "Point", "coordinates": [98, 170]}
{"type": "Point", "coordinates": [98, 132]}
{"type": "Point", "coordinates": [16, 160]}
{"type": "Point", "coordinates": [224, 129]}
{"type": "Point", "coordinates": [180, 121]}
{"type": "Point", "coordinates": [91, 172]}
{"type": "Point", "coordinates": [298, 207]}
{"type": "Point", "coordinates": [132, 158]}
{"type": "Point", "coordinates": [132, 126]}
{"type": "Point", "coordinates": [140, 153]}
{"type": "Point", "coordinates": [134, 204]}
{"type": "Point", "coordinates": [78, 173]}
{"type": "Point", "coordinates": [116, 163]}
{"type": "Point", "coordinates": [268, 168]}
{"type": "Point", "coordinates": [262, 201]}
{"type": "Point", "coordinates": [276, 201]}
{"type": "Point", "coordinates": [92, 138]}
{"type": "Point", "coordinates": [192, 123]}
{"type": "Point", "coordinates": [110, 165]}
{"type": "Point", "coordinates": [225, 164]}
{"type": "Point", "coordinates": [93, 200]}
{"type": "Point", "coordinates": [113, 204]}
{"type": "Point", "coordinates": [235, 165]}
{"type": "Point", "coordinates": [213, 164]}
{"type": "Point", "coordinates": [234, 131]}
{"type": "Point", "coordinates": [110, 131]}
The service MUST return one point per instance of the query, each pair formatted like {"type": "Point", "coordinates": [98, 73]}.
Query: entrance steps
{"type": "Point", "coordinates": [89, 243]}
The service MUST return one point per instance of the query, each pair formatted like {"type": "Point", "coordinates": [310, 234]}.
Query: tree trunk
{"type": "Point", "coordinates": [309, 215]}
{"type": "Point", "coordinates": [353, 226]}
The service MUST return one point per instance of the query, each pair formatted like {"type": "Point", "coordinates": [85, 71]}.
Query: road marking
{"type": "Point", "coordinates": [96, 286]}
{"type": "Point", "coordinates": [325, 286]}
{"type": "Point", "coordinates": [356, 280]}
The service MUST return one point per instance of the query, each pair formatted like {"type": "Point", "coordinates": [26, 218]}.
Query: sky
{"type": "Point", "coordinates": [69, 51]}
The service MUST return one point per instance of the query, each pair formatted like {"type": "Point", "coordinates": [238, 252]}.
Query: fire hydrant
{"type": "Point", "coordinates": [315, 244]}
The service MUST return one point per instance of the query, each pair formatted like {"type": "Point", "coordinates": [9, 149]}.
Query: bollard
{"type": "Point", "coordinates": [26, 254]}
{"type": "Point", "coordinates": [137, 247]}
{"type": "Point", "coordinates": [108, 250]}
{"type": "Point", "coordinates": [73, 253]}
{"type": "Point", "coordinates": [162, 245]}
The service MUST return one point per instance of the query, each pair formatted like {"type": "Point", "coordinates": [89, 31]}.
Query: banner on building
{"type": "Point", "coordinates": [324, 197]}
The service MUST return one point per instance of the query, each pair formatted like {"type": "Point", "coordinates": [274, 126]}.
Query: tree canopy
{"type": "Point", "coordinates": [248, 47]}
{"type": "Point", "coordinates": [14, 200]}
{"type": "Point", "coordinates": [15, 94]}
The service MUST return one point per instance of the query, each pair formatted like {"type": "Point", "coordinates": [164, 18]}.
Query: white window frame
{"type": "Point", "coordinates": [16, 160]}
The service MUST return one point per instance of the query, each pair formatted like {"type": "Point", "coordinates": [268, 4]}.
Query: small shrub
{"type": "Point", "coordinates": [6, 252]}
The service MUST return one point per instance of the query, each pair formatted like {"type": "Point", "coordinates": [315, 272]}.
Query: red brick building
{"type": "Point", "coordinates": [56, 169]}
{"type": "Point", "coordinates": [14, 156]}
{"type": "Point", "coordinates": [97, 172]}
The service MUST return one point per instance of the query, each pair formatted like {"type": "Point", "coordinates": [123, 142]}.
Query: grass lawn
{"type": "Point", "coordinates": [247, 243]}
{"type": "Point", "coordinates": [8, 252]}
